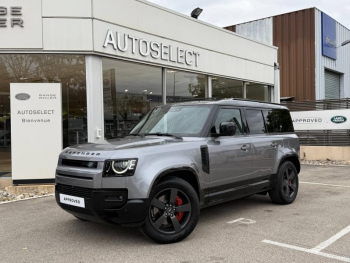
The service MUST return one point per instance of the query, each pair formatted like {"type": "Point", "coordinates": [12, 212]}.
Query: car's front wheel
{"type": "Point", "coordinates": [287, 186]}
{"type": "Point", "coordinates": [173, 211]}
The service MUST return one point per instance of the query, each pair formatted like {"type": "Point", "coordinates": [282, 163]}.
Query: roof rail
{"type": "Point", "coordinates": [216, 99]}
{"type": "Point", "coordinates": [259, 101]}
{"type": "Point", "coordinates": [196, 99]}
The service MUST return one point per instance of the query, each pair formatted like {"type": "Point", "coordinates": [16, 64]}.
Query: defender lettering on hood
{"type": "Point", "coordinates": [82, 153]}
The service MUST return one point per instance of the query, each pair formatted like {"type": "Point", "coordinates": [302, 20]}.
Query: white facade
{"type": "Point", "coordinates": [154, 35]}
{"type": "Point", "coordinates": [81, 26]}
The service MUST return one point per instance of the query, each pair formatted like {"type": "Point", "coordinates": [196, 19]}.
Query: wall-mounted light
{"type": "Point", "coordinates": [126, 90]}
{"type": "Point", "coordinates": [196, 12]}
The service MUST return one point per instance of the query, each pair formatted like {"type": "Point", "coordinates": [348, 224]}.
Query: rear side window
{"type": "Point", "coordinates": [278, 121]}
{"type": "Point", "coordinates": [255, 121]}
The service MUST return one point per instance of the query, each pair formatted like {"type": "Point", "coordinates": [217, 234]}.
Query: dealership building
{"type": "Point", "coordinates": [114, 61]}
{"type": "Point", "coordinates": [314, 65]}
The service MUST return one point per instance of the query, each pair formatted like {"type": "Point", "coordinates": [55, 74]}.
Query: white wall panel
{"type": "Point", "coordinates": [120, 12]}
{"type": "Point", "coordinates": [341, 65]}
{"type": "Point", "coordinates": [210, 62]}
{"type": "Point", "coordinates": [30, 35]}
{"type": "Point", "coordinates": [145, 17]}
{"type": "Point", "coordinates": [94, 96]}
{"type": "Point", "coordinates": [67, 34]}
{"type": "Point", "coordinates": [259, 30]}
{"type": "Point", "coordinates": [67, 8]}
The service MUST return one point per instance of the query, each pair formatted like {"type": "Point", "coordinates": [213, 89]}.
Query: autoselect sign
{"type": "Point", "coordinates": [156, 50]}
{"type": "Point", "coordinates": [338, 119]}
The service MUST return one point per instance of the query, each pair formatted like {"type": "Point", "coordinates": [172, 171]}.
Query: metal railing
{"type": "Point", "coordinates": [334, 104]}
{"type": "Point", "coordinates": [324, 137]}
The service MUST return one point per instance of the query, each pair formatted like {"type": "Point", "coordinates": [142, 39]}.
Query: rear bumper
{"type": "Point", "coordinates": [110, 206]}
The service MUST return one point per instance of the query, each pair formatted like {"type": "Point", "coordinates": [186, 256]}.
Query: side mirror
{"type": "Point", "coordinates": [228, 128]}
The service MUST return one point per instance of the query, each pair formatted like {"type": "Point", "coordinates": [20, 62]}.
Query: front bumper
{"type": "Point", "coordinates": [110, 206]}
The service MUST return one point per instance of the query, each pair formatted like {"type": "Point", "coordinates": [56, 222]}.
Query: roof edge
{"type": "Point", "coordinates": [202, 22]}
{"type": "Point", "coordinates": [273, 16]}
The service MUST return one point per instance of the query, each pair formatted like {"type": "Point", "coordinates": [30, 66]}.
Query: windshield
{"type": "Point", "coordinates": [178, 120]}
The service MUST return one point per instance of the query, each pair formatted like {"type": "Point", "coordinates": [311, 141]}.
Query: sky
{"type": "Point", "coordinates": [229, 12]}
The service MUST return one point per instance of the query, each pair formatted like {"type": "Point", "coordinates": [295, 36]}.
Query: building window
{"type": "Point", "coordinates": [182, 85]}
{"type": "Point", "coordinates": [226, 88]}
{"type": "Point", "coordinates": [130, 90]}
{"type": "Point", "coordinates": [257, 92]}
{"type": "Point", "coordinates": [69, 70]}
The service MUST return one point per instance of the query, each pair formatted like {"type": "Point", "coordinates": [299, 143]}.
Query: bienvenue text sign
{"type": "Point", "coordinates": [36, 130]}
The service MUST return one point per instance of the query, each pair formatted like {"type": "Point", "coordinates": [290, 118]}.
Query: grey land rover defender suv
{"type": "Point", "coordinates": [179, 159]}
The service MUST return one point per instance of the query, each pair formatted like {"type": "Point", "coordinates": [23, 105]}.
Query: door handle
{"type": "Point", "coordinates": [244, 147]}
{"type": "Point", "coordinates": [274, 144]}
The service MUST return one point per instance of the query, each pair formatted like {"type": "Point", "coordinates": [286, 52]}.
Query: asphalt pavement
{"type": "Point", "coordinates": [315, 228]}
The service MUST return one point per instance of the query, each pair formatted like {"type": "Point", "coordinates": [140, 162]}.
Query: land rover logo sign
{"type": "Point", "coordinates": [338, 119]}
{"type": "Point", "coordinates": [22, 96]}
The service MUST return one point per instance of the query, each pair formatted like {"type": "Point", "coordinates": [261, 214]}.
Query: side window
{"type": "Point", "coordinates": [271, 121]}
{"type": "Point", "coordinates": [285, 121]}
{"type": "Point", "coordinates": [255, 121]}
{"type": "Point", "coordinates": [229, 115]}
{"type": "Point", "coordinates": [278, 121]}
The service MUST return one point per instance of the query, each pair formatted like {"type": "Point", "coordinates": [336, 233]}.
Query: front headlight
{"type": "Point", "coordinates": [124, 167]}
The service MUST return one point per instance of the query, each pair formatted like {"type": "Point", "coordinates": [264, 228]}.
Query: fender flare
{"type": "Point", "coordinates": [163, 174]}
{"type": "Point", "coordinates": [294, 155]}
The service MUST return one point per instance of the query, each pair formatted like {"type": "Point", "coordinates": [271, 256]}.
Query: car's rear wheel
{"type": "Point", "coordinates": [173, 211]}
{"type": "Point", "coordinates": [287, 186]}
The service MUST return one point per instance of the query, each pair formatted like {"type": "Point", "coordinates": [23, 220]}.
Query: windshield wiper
{"type": "Point", "coordinates": [165, 134]}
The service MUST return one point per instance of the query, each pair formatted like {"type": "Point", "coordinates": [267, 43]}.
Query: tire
{"type": "Point", "coordinates": [173, 211]}
{"type": "Point", "coordinates": [287, 186]}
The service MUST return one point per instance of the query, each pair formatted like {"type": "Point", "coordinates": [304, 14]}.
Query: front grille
{"type": "Point", "coordinates": [74, 190]}
{"type": "Point", "coordinates": [78, 163]}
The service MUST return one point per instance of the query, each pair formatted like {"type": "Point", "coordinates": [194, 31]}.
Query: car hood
{"type": "Point", "coordinates": [106, 149]}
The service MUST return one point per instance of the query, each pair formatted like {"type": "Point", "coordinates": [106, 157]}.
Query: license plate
{"type": "Point", "coordinates": [72, 200]}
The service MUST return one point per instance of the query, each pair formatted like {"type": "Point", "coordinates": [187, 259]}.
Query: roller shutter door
{"type": "Point", "coordinates": [332, 85]}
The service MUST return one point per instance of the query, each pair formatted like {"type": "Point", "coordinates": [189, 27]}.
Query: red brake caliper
{"type": "Point", "coordinates": [179, 202]}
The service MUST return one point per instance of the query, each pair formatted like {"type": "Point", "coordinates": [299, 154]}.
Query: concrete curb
{"type": "Point", "coordinates": [21, 189]}
{"type": "Point", "coordinates": [25, 199]}
{"type": "Point", "coordinates": [331, 165]}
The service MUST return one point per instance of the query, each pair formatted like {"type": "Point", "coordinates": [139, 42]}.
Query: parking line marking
{"type": "Point", "coordinates": [242, 220]}
{"type": "Point", "coordinates": [330, 241]}
{"type": "Point", "coordinates": [235, 221]}
{"type": "Point", "coordinates": [310, 251]}
{"type": "Point", "coordinates": [334, 185]}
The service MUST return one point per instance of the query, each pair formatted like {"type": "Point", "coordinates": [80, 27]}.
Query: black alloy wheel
{"type": "Point", "coordinates": [289, 182]}
{"type": "Point", "coordinates": [286, 189]}
{"type": "Point", "coordinates": [173, 211]}
{"type": "Point", "coordinates": [170, 211]}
